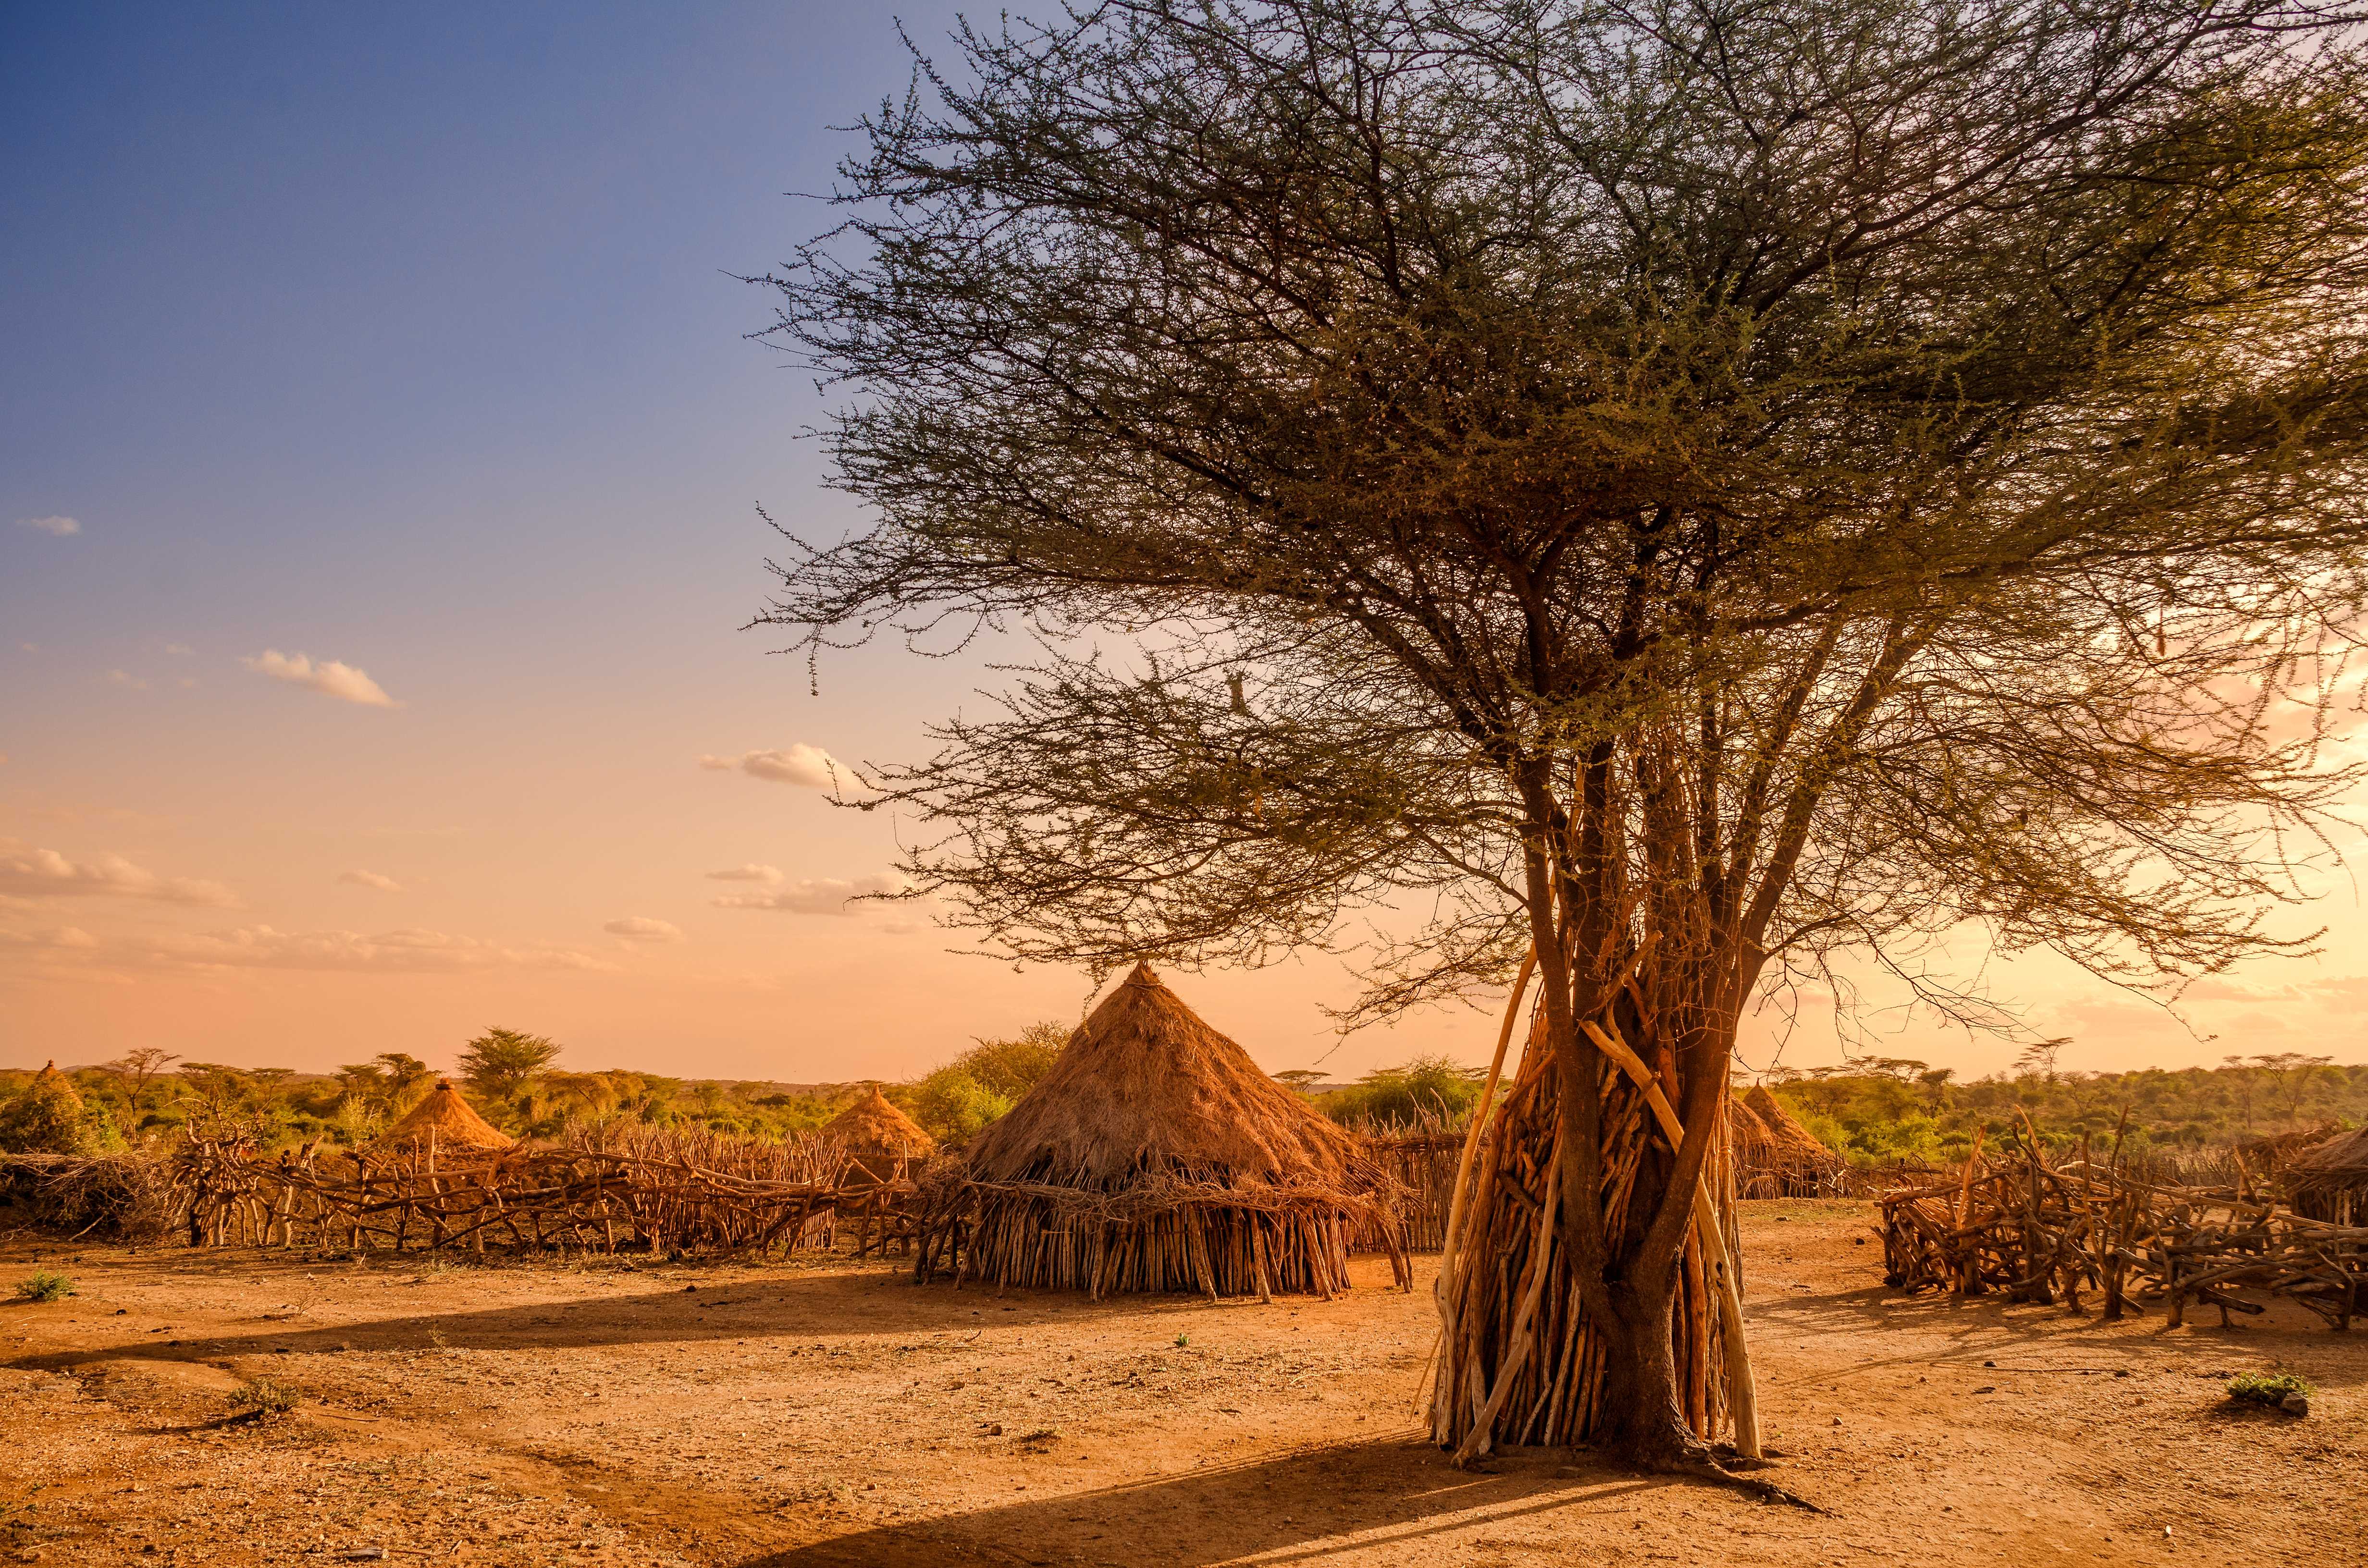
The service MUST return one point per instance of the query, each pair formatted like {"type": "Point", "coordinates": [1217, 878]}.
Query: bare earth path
{"type": "Point", "coordinates": [832, 1416]}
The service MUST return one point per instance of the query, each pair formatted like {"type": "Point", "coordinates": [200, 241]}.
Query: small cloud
{"type": "Point", "coordinates": [186, 682]}
{"type": "Point", "coordinates": [29, 647]}
{"type": "Point", "coordinates": [809, 768]}
{"type": "Point", "coordinates": [122, 677]}
{"type": "Point", "coordinates": [819, 896]}
{"type": "Point", "coordinates": [180, 650]}
{"type": "Point", "coordinates": [27, 872]}
{"type": "Point", "coordinates": [751, 872]}
{"type": "Point", "coordinates": [329, 677]}
{"type": "Point", "coordinates": [370, 880]}
{"type": "Point", "coordinates": [409, 951]}
{"type": "Point", "coordinates": [641, 928]}
{"type": "Point", "coordinates": [58, 527]}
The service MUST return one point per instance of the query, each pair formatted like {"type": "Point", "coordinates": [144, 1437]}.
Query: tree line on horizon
{"type": "Point", "coordinates": [1874, 1110]}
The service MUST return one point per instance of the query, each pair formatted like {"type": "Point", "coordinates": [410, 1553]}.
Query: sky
{"type": "Point", "coordinates": [381, 452]}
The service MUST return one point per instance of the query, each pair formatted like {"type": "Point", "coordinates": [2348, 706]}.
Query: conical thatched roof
{"type": "Point", "coordinates": [1781, 1125]}
{"type": "Point", "coordinates": [50, 1081]}
{"type": "Point", "coordinates": [873, 1124]}
{"type": "Point", "coordinates": [453, 1123]}
{"type": "Point", "coordinates": [1144, 1086]}
{"type": "Point", "coordinates": [1744, 1125]}
{"type": "Point", "coordinates": [2341, 1159]}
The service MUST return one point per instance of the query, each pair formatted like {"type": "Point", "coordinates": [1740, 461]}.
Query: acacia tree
{"type": "Point", "coordinates": [1681, 488]}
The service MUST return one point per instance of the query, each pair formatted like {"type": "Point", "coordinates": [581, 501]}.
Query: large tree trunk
{"type": "Point", "coordinates": [1576, 1328]}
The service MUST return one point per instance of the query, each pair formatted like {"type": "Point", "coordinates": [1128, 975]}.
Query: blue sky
{"type": "Point", "coordinates": [408, 338]}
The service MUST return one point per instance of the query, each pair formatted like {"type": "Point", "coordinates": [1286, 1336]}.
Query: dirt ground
{"type": "Point", "coordinates": [833, 1413]}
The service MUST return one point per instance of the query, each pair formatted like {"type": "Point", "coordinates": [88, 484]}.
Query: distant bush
{"type": "Point", "coordinates": [44, 1286]}
{"type": "Point", "coordinates": [1429, 1088]}
{"type": "Point", "coordinates": [956, 1101]}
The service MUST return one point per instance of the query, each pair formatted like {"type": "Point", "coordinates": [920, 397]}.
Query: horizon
{"type": "Point", "coordinates": [372, 592]}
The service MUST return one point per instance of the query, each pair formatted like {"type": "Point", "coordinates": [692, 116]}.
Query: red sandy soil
{"type": "Point", "coordinates": [833, 1415]}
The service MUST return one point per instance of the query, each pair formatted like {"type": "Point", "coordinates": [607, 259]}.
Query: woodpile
{"type": "Point", "coordinates": [1155, 1156]}
{"type": "Point", "coordinates": [2038, 1232]}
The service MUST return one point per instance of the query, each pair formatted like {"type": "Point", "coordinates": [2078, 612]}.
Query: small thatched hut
{"type": "Point", "coordinates": [2329, 1181]}
{"type": "Point", "coordinates": [878, 1137]}
{"type": "Point", "coordinates": [445, 1122]}
{"type": "Point", "coordinates": [1775, 1156]}
{"type": "Point", "coordinates": [1156, 1157]}
{"type": "Point", "coordinates": [45, 1117]}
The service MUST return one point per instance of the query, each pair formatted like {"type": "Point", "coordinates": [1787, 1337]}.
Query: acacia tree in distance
{"type": "Point", "coordinates": [1688, 486]}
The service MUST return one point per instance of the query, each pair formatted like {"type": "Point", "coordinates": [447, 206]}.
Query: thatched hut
{"type": "Point", "coordinates": [444, 1122]}
{"type": "Point", "coordinates": [45, 1117]}
{"type": "Point", "coordinates": [1156, 1157]}
{"type": "Point", "coordinates": [1775, 1156]}
{"type": "Point", "coordinates": [879, 1138]}
{"type": "Point", "coordinates": [2329, 1181]}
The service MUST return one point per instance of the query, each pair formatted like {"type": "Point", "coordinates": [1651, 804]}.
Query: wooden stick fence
{"type": "Point", "coordinates": [531, 1199]}
{"type": "Point", "coordinates": [2038, 1233]}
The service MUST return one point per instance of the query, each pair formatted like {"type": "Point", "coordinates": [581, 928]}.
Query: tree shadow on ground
{"type": "Point", "coordinates": [1325, 1504]}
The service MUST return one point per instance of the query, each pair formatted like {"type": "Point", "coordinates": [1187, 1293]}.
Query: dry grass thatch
{"type": "Point", "coordinates": [1775, 1156]}
{"type": "Point", "coordinates": [2329, 1180]}
{"type": "Point", "coordinates": [445, 1121]}
{"type": "Point", "coordinates": [1156, 1157]}
{"type": "Point", "coordinates": [876, 1134]}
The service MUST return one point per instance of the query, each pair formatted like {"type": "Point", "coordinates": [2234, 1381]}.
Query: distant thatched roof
{"type": "Point", "coordinates": [2341, 1161]}
{"type": "Point", "coordinates": [50, 1081]}
{"type": "Point", "coordinates": [1144, 1087]}
{"type": "Point", "coordinates": [874, 1125]}
{"type": "Point", "coordinates": [451, 1120]}
{"type": "Point", "coordinates": [1783, 1126]}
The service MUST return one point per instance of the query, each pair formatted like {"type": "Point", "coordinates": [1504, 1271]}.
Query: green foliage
{"type": "Point", "coordinates": [264, 1397]}
{"type": "Point", "coordinates": [2267, 1388]}
{"type": "Point", "coordinates": [499, 1062]}
{"type": "Point", "coordinates": [953, 1102]}
{"type": "Point", "coordinates": [1429, 1088]}
{"type": "Point", "coordinates": [44, 1285]}
{"type": "Point", "coordinates": [45, 1117]}
{"type": "Point", "coordinates": [1885, 1108]}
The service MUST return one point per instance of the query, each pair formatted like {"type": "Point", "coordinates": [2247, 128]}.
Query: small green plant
{"type": "Point", "coordinates": [2267, 1388]}
{"type": "Point", "coordinates": [1182, 1340]}
{"type": "Point", "coordinates": [264, 1397]}
{"type": "Point", "coordinates": [43, 1285]}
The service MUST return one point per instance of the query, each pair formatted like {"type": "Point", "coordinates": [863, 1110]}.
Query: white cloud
{"type": "Point", "coordinates": [641, 928]}
{"type": "Point", "coordinates": [29, 872]}
{"type": "Point", "coordinates": [751, 872]}
{"type": "Point", "coordinates": [329, 677]}
{"type": "Point", "coordinates": [809, 768]}
{"type": "Point", "coordinates": [819, 896]}
{"type": "Point", "coordinates": [370, 880]}
{"type": "Point", "coordinates": [60, 528]}
{"type": "Point", "coordinates": [408, 951]}
{"type": "Point", "coordinates": [122, 677]}
{"type": "Point", "coordinates": [180, 650]}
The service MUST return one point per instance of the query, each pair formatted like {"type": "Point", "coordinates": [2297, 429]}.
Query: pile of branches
{"type": "Point", "coordinates": [2042, 1233]}
{"type": "Point", "coordinates": [526, 1199]}
{"type": "Point", "coordinates": [117, 1198]}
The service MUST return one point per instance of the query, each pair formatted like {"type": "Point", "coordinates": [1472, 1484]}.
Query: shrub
{"type": "Point", "coordinates": [264, 1397]}
{"type": "Point", "coordinates": [44, 1286]}
{"type": "Point", "coordinates": [2266, 1388]}
{"type": "Point", "coordinates": [46, 1118]}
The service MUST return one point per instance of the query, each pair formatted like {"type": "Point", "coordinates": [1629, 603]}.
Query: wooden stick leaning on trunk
{"type": "Point", "coordinates": [1743, 1397]}
{"type": "Point", "coordinates": [1478, 1439]}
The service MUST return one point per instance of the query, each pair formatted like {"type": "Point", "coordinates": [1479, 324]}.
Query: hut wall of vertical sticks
{"type": "Point", "coordinates": [1156, 1155]}
{"type": "Point", "coordinates": [1423, 1163]}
